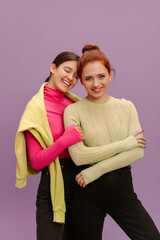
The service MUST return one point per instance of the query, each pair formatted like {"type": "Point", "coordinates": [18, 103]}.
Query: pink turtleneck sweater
{"type": "Point", "coordinates": [55, 103]}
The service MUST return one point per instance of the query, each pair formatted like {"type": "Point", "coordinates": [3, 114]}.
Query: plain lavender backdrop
{"type": "Point", "coordinates": [33, 32]}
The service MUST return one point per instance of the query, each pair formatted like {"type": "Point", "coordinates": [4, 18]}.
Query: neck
{"type": "Point", "coordinates": [51, 85]}
{"type": "Point", "coordinates": [102, 99]}
{"type": "Point", "coordinates": [52, 94]}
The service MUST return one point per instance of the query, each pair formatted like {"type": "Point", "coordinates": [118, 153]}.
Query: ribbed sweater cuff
{"type": "Point", "coordinates": [20, 183]}
{"type": "Point", "coordinates": [59, 217]}
{"type": "Point", "coordinates": [130, 143]}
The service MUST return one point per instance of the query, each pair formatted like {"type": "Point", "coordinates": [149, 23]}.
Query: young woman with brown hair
{"type": "Point", "coordinates": [41, 145]}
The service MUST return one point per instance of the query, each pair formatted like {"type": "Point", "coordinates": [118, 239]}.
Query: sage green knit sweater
{"type": "Point", "coordinates": [108, 129]}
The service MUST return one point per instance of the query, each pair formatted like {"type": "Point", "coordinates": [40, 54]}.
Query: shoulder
{"type": "Point", "coordinates": [123, 104]}
{"type": "Point", "coordinates": [32, 104]}
{"type": "Point", "coordinates": [122, 101]}
{"type": "Point", "coordinates": [74, 107]}
{"type": "Point", "coordinates": [34, 108]}
{"type": "Point", "coordinates": [72, 97]}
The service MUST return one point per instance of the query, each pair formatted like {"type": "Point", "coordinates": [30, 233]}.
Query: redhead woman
{"type": "Point", "coordinates": [41, 146]}
{"type": "Point", "coordinates": [113, 141]}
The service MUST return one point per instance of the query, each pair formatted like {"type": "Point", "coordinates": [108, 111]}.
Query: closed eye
{"type": "Point", "coordinates": [67, 69]}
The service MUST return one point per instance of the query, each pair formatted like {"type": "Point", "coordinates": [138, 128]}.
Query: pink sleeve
{"type": "Point", "coordinates": [41, 158]}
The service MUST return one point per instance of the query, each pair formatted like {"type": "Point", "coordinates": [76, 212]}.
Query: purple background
{"type": "Point", "coordinates": [33, 32]}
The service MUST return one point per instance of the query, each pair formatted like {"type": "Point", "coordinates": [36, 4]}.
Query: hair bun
{"type": "Point", "coordinates": [90, 47]}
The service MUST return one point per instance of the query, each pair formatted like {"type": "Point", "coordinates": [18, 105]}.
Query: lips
{"type": "Point", "coordinates": [97, 90]}
{"type": "Point", "coordinates": [66, 83]}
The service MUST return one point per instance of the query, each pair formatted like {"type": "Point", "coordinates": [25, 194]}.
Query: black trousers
{"type": "Point", "coordinates": [111, 194]}
{"type": "Point", "coordinates": [46, 228]}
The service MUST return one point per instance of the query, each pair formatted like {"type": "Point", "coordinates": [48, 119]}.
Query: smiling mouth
{"type": "Point", "coordinates": [68, 84]}
{"type": "Point", "coordinates": [97, 90]}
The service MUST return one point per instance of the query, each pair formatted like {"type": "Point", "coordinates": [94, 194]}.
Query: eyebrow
{"type": "Point", "coordinates": [87, 76]}
{"type": "Point", "coordinates": [102, 73]}
{"type": "Point", "coordinates": [97, 75]}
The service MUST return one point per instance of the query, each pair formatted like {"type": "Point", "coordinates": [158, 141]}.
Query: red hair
{"type": "Point", "coordinates": [92, 53]}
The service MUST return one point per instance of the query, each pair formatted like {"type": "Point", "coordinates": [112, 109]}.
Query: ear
{"type": "Point", "coordinates": [52, 68]}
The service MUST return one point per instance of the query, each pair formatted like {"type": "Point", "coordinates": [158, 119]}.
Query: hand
{"type": "Point", "coordinates": [140, 139]}
{"type": "Point", "coordinates": [80, 180]}
{"type": "Point", "coordinates": [79, 129]}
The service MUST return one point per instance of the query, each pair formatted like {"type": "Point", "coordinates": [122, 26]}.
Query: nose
{"type": "Point", "coordinates": [70, 76]}
{"type": "Point", "coordinates": [95, 82]}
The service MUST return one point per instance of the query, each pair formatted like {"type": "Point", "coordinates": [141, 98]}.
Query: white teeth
{"type": "Point", "coordinates": [96, 90]}
{"type": "Point", "coordinates": [66, 83]}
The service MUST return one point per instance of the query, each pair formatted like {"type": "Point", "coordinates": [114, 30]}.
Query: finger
{"type": "Point", "coordinates": [81, 133]}
{"type": "Point", "coordinates": [142, 146]}
{"type": "Point", "coordinates": [141, 131]}
{"type": "Point", "coordinates": [137, 132]}
{"type": "Point", "coordinates": [78, 176]}
{"type": "Point", "coordinates": [78, 127]}
{"type": "Point", "coordinates": [79, 130]}
{"type": "Point", "coordinates": [141, 137]}
{"type": "Point", "coordinates": [82, 184]}
{"type": "Point", "coordinates": [140, 141]}
{"type": "Point", "coordinates": [80, 181]}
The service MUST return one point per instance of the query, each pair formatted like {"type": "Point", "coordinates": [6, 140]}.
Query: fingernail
{"type": "Point", "coordinates": [144, 147]}
{"type": "Point", "coordinates": [142, 130]}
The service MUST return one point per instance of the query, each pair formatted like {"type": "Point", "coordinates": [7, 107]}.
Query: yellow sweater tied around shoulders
{"type": "Point", "coordinates": [35, 120]}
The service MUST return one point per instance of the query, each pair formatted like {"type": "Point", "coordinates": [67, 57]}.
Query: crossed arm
{"type": "Point", "coordinates": [107, 157]}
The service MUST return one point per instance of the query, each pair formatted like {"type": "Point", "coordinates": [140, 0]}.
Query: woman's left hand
{"type": "Point", "coordinates": [80, 180]}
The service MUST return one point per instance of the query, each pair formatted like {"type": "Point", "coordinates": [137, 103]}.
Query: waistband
{"type": "Point", "coordinates": [64, 162]}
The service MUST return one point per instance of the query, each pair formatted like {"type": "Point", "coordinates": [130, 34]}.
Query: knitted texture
{"type": "Point", "coordinates": [108, 129]}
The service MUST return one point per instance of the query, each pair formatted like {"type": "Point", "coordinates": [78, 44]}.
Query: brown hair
{"type": "Point", "coordinates": [92, 53]}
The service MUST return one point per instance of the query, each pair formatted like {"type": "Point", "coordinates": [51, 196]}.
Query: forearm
{"type": "Point", "coordinates": [88, 155]}
{"type": "Point", "coordinates": [116, 162]}
{"type": "Point", "coordinates": [82, 155]}
{"type": "Point", "coordinates": [41, 158]}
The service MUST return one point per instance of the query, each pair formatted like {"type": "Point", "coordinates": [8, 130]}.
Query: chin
{"type": "Point", "coordinates": [65, 90]}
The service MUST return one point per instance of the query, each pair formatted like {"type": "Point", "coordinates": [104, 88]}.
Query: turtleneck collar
{"type": "Point", "coordinates": [52, 94]}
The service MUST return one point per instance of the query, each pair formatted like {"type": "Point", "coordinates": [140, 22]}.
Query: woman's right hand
{"type": "Point", "coordinates": [80, 180]}
{"type": "Point", "coordinates": [79, 129]}
{"type": "Point", "coordinates": [141, 141]}
{"type": "Point", "coordinates": [73, 134]}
